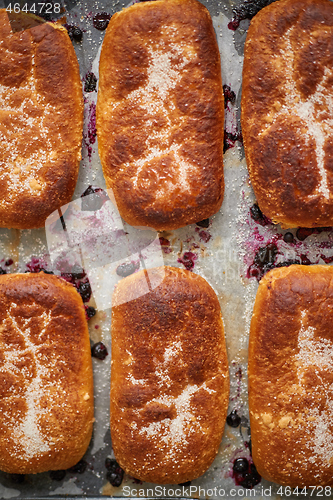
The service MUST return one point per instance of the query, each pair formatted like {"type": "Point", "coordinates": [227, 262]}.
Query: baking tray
{"type": "Point", "coordinates": [223, 253]}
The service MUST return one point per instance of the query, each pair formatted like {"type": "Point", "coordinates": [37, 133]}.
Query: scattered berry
{"type": "Point", "coordinates": [115, 473]}
{"type": "Point", "coordinates": [74, 33]}
{"type": "Point", "coordinates": [85, 291]}
{"type": "Point", "coordinates": [288, 238]}
{"type": "Point", "coordinates": [101, 21]}
{"type": "Point", "coordinates": [251, 478]}
{"type": "Point", "coordinates": [203, 223]}
{"type": "Point", "coordinates": [90, 82]}
{"type": "Point", "coordinates": [90, 311]}
{"type": "Point", "coordinates": [247, 10]}
{"type": "Point", "coordinates": [240, 465]}
{"type": "Point", "coordinates": [233, 419]}
{"type": "Point", "coordinates": [99, 351]}
{"type": "Point", "coordinates": [9, 262]}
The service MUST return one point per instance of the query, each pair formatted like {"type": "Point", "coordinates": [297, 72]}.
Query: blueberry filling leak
{"type": "Point", "coordinates": [264, 260]}
{"type": "Point", "coordinates": [229, 95]}
{"type": "Point", "coordinates": [258, 216]}
{"type": "Point", "coordinates": [230, 139]}
{"type": "Point", "coordinates": [247, 10]}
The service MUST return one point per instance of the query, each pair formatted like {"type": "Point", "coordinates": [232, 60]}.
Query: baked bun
{"type": "Point", "coordinates": [41, 120]}
{"type": "Point", "coordinates": [291, 376]}
{"type": "Point", "coordinates": [46, 385]}
{"type": "Point", "coordinates": [169, 376]}
{"type": "Point", "coordinates": [160, 114]}
{"type": "Point", "coordinates": [287, 114]}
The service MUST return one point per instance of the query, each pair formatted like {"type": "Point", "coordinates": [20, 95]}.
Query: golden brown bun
{"type": "Point", "coordinates": [41, 120]}
{"type": "Point", "coordinates": [169, 377]}
{"type": "Point", "coordinates": [46, 385]}
{"type": "Point", "coordinates": [291, 376]}
{"type": "Point", "coordinates": [160, 114]}
{"type": "Point", "coordinates": [287, 111]}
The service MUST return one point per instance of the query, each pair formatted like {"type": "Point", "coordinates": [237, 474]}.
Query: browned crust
{"type": "Point", "coordinates": [45, 374]}
{"type": "Point", "coordinates": [41, 121]}
{"type": "Point", "coordinates": [291, 376]}
{"type": "Point", "coordinates": [288, 62]}
{"type": "Point", "coordinates": [173, 339]}
{"type": "Point", "coordinates": [182, 182]}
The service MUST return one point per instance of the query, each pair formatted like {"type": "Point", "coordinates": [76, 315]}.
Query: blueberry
{"type": "Point", "coordinates": [90, 311]}
{"type": "Point", "coordinates": [74, 33]}
{"type": "Point", "coordinates": [233, 419]}
{"type": "Point", "coordinates": [288, 238]}
{"type": "Point", "coordinates": [126, 269]}
{"type": "Point", "coordinates": [266, 255]}
{"type": "Point", "coordinates": [57, 475]}
{"type": "Point", "coordinates": [99, 350]}
{"type": "Point", "coordinates": [203, 223]}
{"type": "Point", "coordinates": [2, 271]}
{"type": "Point", "coordinates": [115, 478]}
{"type": "Point", "coordinates": [255, 212]}
{"type": "Point", "coordinates": [77, 34]}
{"type": "Point", "coordinates": [101, 21]}
{"type": "Point", "coordinates": [115, 473]}
{"type": "Point", "coordinates": [79, 468]}
{"type": "Point", "coordinates": [85, 291]}
{"type": "Point", "coordinates": [251, 478]}
{"type": "Point", "coordinates": [240, 465]}
{"type": "Point", "coordinates": [9, 262]}
{"type": "Point", "coordinates": [89, 86]}
{"type": "Point", "coordinates": [111, 464]}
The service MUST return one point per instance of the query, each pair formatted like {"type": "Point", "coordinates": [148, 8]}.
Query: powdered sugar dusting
{"type": "Point", "coordinates": [27, 142]}
{"type": "Point", "coordinates": [175, 432]}
{"type": "Point", "coordinates": [315, 112]}
{"type": "Point", "coordinates": [317, 353]}
{"type": "Point", "coordinates": [26, 429]}
{"type": "Point", "coordinates": [168, 62]}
